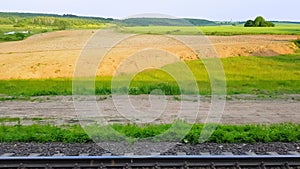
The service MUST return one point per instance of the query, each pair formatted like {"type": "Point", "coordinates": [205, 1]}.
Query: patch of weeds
{"type": "Point", "coordinates": [177, 98]}
{"type": "Point", "coordinates": [101, 98]}
{"type": "Point", "coordinates": [9, 119]}
{"type": "Point", "coordinates": [297, 42]}
{"type": "Point", "coordinates": [11, 98]}
{"type": "Point", "coordinates": [35, 119]}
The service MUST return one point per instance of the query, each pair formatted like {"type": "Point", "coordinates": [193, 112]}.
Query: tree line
{"type": "Point", "coordinates": [58, 21]}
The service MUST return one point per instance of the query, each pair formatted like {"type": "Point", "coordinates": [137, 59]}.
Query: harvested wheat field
{"type": "Point", "coordinates": [54, 55]}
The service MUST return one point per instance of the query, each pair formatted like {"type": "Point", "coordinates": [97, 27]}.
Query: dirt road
{"type": "Point", "coordinates": [238, 110]}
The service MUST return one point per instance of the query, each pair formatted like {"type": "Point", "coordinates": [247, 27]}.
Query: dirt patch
{"type": "Point", "coordinates": [241, 109]}
{"type": "Point", "coordinates": [53, 55]}
{"type": "Point", "coordinates": [258, 45]}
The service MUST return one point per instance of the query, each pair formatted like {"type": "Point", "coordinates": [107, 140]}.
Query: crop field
{"type": "Point", "coordinates": [227, 30]}
{"type": "Point", "coordinates": [244, 75]}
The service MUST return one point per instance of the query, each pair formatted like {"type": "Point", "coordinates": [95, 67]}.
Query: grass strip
{"type": "Point", "coordinates": [223, 134]}
{"type": "Point", "coordinates": [225, 30]}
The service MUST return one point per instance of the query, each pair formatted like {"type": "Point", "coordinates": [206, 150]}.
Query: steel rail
{"type": "Point", "coordinates": [240, 161]}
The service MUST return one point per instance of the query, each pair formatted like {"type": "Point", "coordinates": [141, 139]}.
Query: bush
{"type": "Point", "coordinates": [297, 42]}
{"type": "Point", "coordinates": [14, 37]}
{"type": "Point", "coordinates": [259, 22]}
{"type": "Point", "coordinates": [249, 23]}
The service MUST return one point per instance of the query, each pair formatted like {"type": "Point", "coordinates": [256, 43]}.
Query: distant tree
{"type": "Point", "coordinates": [249, 23]}
{"type": "Point", "coordinates": [70, 16]}
{"type": "Point", "coordinates": [270, 24]}
{"type": "Point", "coordinates": [259, 22]}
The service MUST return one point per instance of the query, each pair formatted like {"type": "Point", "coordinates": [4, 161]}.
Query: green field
{"type": "Point", "coordinates": [244, 75]}
{"type": "Point", "coordinates": [36, 30]}
{"type": "Point", "coordinates": [226, 30]}
{"type": "Point", "coordinates": [132, 132]}
{"type": "Point", "coordinates": [40, 24]}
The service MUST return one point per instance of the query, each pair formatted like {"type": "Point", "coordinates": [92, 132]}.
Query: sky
{"type": "Point", "coordinates": [217, 10]}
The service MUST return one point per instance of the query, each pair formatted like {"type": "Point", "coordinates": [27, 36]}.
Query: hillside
{"type": "Point", "coordinates": [165, 22]}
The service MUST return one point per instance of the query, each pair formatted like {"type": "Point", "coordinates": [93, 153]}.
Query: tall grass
{"type": "Point", "coordinates": [116, 132]}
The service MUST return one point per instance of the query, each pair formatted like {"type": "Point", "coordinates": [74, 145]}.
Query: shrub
{"type": "Point", "coordinates": [259, 22]}
{"type": "Point", "coordinates": [249, 23]}
{"type": "Point", "coordinates": [297, 42]}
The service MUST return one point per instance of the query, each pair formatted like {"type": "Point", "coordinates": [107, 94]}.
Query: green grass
{"type": "Point", "coordinates": [115, 132]}
{"type": "Point", "coordinates": [43, 134]}
{"type": "Point", "coordinates": [228, 30]}
{"type": "Point", "coordinates": [244, 75]}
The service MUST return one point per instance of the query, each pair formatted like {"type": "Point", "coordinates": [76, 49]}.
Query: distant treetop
{"type": "Point", "coordinates": [259, 22]}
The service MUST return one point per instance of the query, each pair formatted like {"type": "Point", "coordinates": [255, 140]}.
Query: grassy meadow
{"type": "Point", "coordinates": [222, 30]}
{"type": "Point", "coordinates": [244, 75]}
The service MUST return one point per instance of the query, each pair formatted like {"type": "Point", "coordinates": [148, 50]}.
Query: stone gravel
{"type": "Point", "coordinates": [92, 149]}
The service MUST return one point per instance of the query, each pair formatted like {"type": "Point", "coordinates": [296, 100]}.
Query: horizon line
{"type": "Point", "coordinates": [132, 16]}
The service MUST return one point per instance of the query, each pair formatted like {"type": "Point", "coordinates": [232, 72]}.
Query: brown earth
{"type": "Point", "coordinates": [239, 109]}
{"type": "Point", "coordinates": [53, 55]}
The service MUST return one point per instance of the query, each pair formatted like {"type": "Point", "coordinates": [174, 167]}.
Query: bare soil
{"type": "Point", "coordinates": [54, 55]}
{"type": "Point", "coordinates": [239, 109]}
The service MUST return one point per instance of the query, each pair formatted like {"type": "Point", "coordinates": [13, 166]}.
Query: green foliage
{"type": "Point", "coordinates": [14, 37]}
{"type": "Point", "coordinates": [250, 23]}
{"type": "Point", "coordinates": [117, 132]}
{"type": "Point", "coordinates": [43, 134]}
{"type": "Point", "coordinates": [13, 17]}
{"type": "Point", "coordinates": [297, 42]}
{"type": "Point", "coordinates": [259, 22]}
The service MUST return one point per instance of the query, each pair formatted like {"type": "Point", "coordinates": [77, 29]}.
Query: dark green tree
{"type": "Point", "coordinates": [249, 23]}
{"type": "Point", "coordinates": [259, 22]}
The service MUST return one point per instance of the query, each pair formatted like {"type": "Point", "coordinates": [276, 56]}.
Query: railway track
{"type": "Point", "coordinates": [155, 162]}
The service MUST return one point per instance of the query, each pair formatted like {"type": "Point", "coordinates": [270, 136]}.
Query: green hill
{"type": "Point", "coordinates": [32, 15]}
{"type": "Point", "coordinates": [165, 22]}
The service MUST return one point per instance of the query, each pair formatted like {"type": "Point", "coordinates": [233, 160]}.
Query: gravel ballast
{"type": "Point", "coordinates": [50, 149]}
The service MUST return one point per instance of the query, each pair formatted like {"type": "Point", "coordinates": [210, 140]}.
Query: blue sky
{"type": "Point", "coordinates": [236, 10]}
